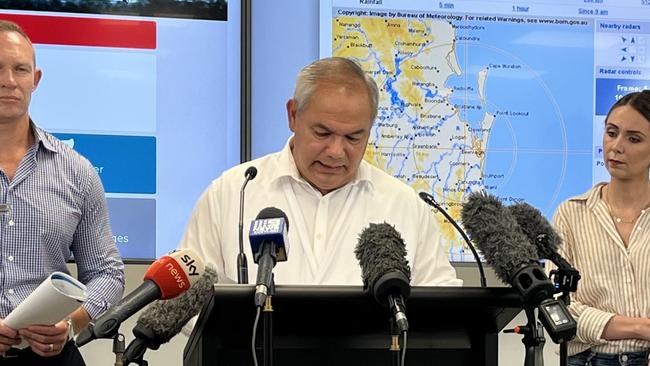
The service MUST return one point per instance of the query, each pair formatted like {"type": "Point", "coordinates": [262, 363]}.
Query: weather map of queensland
{"type": "Point", "coordinates": [471, 102]}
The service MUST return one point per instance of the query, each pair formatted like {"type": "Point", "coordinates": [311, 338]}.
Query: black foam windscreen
{"type": "Point", "coordinates": [165, 318]}
{"type": "Point", "coordinates": [534, 224]}
{"type": "Point", "coordinates": [380, 251]}
{"type": "Point", "coordinates": [272, 213]}
{"type": "Point", "coordinates": [496, 233]}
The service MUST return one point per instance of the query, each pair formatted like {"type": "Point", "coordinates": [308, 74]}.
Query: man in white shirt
{"type": "Point", "coordinates": [327, 191]}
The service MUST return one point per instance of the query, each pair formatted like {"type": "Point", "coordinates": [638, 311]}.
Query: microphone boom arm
{"type": "Point", "coordinates": [242, 262]}
{"type": "Point", "coordinates": [426, 197]}
{"type": "Point", "coordinates": [108, 324]}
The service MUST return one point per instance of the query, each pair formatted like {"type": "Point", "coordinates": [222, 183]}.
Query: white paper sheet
{"type": "Point", "coordinates": [53, 300]}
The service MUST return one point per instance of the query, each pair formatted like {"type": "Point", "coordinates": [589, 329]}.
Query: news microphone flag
{"type": "Point", "coordinates": [268, 238]}
{"type": "Point", "coordinates": [167, 277]}
{"type": "Point", "coordinates": [269, 230]}
{"type": "Point", "coordinates": [175, 273]}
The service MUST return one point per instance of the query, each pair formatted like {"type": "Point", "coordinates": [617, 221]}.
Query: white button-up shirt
{"type": "Point", "coordinates": [323, 229]}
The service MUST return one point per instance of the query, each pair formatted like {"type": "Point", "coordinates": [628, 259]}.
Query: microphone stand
{"type": "Point", "coordinates": [118, 348]}
{"type": "Point", "coordinates": [394, 343]}
{"type": "Point", "coordinates": [268, 326]}
{"type": "Point", "coordinates": [533, 339]}
{"type": "Point", "coordinates": [426, 197]}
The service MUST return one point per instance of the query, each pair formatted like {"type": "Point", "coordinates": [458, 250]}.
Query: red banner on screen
{"type": "Point", "coordinates": [77, 31]}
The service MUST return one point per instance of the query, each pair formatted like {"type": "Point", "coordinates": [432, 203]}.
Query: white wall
{"type": "Point", "coordinates": [99, 352]}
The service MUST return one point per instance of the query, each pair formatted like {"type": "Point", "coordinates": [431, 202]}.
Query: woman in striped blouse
{"type": "Point", "coordinates": [606, 234]}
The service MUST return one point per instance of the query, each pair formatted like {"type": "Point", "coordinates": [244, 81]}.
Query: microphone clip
{"type": "Point", "coordinates": [135, 353]}
{"type": "Point", "coordinates": [144, 339]}
{"type": "Point", "coordinates": [391, 290]}
{"type": "Point", "coordinates": [565, 280]}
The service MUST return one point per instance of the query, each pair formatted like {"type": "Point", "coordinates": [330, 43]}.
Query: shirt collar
{"type": "Point", "coordinates": [591, 197]}
{"type": "Point", "coordinates": [287, 168]}
{"type": "Point", "coordinates": [41, 137]}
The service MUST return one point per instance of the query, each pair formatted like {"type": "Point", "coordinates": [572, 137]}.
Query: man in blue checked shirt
{"type": "Point", "coordinates": [52, 205]}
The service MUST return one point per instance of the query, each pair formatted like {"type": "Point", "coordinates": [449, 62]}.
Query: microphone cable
{"type": "Point", "coordinates": [253, 351]}
{"type": "Point", "coordinates": [404, 347]}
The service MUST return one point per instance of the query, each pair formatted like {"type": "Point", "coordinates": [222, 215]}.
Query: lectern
{"type": "Point", "coordinates": [342, 325]}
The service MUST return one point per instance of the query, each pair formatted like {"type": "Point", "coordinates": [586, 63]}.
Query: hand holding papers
{"type": "Point", "coordinates": [53, 300]}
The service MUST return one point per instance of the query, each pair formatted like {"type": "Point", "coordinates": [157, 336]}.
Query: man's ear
{"type": "Point", "coordinates": [38, 74]}
{"type": "Point", "coordinates": [291, 114]}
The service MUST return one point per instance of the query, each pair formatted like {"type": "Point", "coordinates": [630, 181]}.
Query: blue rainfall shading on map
{"type": "Point", "coordinates": [482, 105]}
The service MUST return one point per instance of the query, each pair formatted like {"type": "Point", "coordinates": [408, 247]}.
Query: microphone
{"type": "Point", "coordinates": [540, 232]}
{"type": "Point", "coordinates": [384, 269]}
{"type": "Point", "coordinates": [242, 262]}
{"type": "Point", "coordinates": [268, 238]}
{"type": "Point", "coordinates": [161, 321]}
{"type": "Point", "coordinates": [496, 233]}
{"type": "Point", "coordinates": [426, 197]}
{"type": "Point", "coordinates": [167, 277]}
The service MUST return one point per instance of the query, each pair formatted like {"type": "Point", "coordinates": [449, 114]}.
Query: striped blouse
{"type": "Point", "coordinates": [615, 279]}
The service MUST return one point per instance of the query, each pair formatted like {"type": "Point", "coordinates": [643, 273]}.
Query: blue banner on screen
{"type": "Point", "coordinates": [117, 87]}
{"type": "Point", "coordinates": [126, 164]}
{"type": "Point", "coordinates": [133, 221]}
{"type": "Point", "coordinates": [608, 91]}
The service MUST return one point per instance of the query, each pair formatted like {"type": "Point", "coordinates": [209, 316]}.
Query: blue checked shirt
{"type": "Point", "coordinates": [55, 207]}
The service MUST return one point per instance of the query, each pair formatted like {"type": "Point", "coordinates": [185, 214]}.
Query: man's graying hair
{"type": "Point", "coordinates": [334, 70]}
